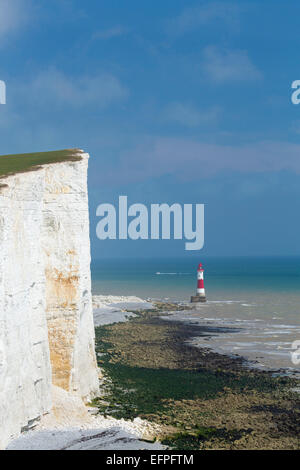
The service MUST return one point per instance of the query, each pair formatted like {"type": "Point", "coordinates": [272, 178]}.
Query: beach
{"type": "Point", "coordinates": [239, 329]}
{"type": "Point", "coordinates": [213, 375]}
{"type": "Point", "coordinates": [201, 399]}
{"type": "Point", "coordinates": [255, 300]}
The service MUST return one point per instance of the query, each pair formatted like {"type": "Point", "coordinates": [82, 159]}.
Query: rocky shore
{"type": "Point", "coordinates": [158, 391]}
{"type": "Point", "coordinates": [201, 399]}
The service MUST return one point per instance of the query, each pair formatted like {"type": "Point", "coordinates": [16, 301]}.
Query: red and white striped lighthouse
{"type": "Point", "coordinates": [200, 296]}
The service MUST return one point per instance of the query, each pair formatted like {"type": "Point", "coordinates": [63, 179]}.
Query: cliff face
{"type": "Point", "coordinates": [46, 322]}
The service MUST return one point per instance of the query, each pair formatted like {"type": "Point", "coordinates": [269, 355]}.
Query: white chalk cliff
{"type": "Point", "coordinates": [46, 321]}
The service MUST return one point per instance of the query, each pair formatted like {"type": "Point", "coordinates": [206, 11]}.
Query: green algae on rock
{"type": "Point", "coordinates": [201, 399]}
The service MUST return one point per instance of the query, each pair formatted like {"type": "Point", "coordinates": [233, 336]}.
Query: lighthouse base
{"type": "Point", "coordinates": [198, 298]}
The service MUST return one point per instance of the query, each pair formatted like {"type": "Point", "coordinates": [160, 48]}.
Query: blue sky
{"type": "Point", "coordinates": [176, 101]}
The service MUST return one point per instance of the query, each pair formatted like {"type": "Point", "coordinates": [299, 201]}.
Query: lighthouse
{"type": "Point", "coordinates": [200, 296]}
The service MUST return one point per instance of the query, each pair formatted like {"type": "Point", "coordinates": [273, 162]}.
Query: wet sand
{"type": "Point", "coordinates": [264, 343]}
{"type": "Point", "coordinates": [201, 398]}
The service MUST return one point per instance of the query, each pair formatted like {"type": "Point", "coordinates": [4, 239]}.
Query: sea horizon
{"type": "Point", "coordinates": [176, 277]}
{"type": "Point", "coordinates": [252, 302]}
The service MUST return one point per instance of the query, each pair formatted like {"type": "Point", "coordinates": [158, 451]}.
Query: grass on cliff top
{"type": "Point", "coordinates": [11, 164]}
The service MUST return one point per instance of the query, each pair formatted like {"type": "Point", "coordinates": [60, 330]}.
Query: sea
{"type": "Point", "coordinates": [252, 308]}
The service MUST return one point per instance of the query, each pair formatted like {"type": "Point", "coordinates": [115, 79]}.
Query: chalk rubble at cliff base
{"type": "Point", "coordinates": [70, 425]}
{"type": "Point", "coordinates": [113, 309]}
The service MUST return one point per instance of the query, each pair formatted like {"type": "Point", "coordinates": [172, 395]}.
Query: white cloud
{"type": "Point", "coordinates": [192, 18]}
{"type": "Point", "coordinates": [189, 116]}
{"type": "Point", "coordinates": [13, 14]}
{"type": "Point", "coordinates": [110, 33]}
{"type": "Point", "coordinates": [53, 86]}
{"type": "Point", "coordinates": [56, 110]}
{"type": "Point", "coordinates": [190, 160]}
{"type": "Point", "coordinates": [229, 65]}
